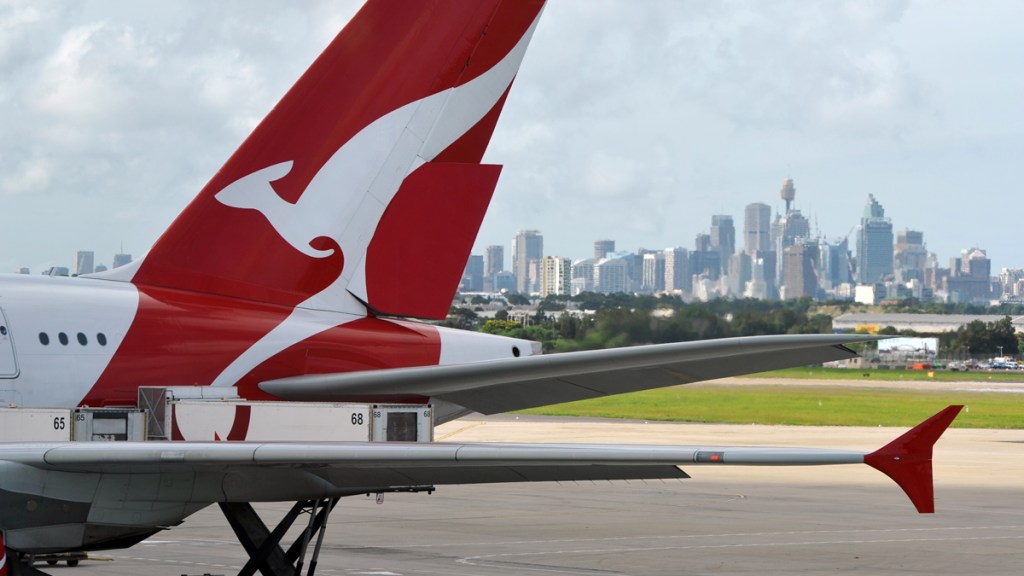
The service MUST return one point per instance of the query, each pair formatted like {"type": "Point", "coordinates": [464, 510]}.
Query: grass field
{"type": "Point", "coordinates": [819, 373]}
{"type": "Point", "coordinates": [799, 405]}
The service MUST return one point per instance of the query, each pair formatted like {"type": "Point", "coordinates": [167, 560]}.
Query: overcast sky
{"type": "Point", "coordinates": [630, 120]}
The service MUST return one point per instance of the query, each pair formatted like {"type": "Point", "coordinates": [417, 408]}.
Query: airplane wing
{"type": "Point", "coordinates": [496, 386]}
{"type": "Point", "coordinates": [140, 487]}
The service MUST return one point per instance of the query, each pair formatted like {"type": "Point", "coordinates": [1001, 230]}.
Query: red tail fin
{"type": "Point", "coordinates": [292, 215]}
{"type": "Point", "coordinates": [908, 459]}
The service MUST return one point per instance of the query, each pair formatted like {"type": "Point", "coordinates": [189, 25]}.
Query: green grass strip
{"type": "Point", "coordinates": [798, 405]}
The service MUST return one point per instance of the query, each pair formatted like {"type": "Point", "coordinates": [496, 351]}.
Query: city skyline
{"type": "Point", "coordinates": [779, 258]}
{"type": "Point", "coordinates": [115, 116]}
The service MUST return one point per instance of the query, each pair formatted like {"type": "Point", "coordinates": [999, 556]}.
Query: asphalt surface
{"type": "Point", "coordinates": [846, 519]}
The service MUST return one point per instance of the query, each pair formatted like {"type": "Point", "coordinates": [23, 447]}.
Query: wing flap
{"type": "Point", "coordinates": [512, 384]}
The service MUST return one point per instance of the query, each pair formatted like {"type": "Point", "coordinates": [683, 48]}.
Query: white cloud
{"type": "Point", "coordinates": [31, 176]}
{"type": "Point", "coordinates": [636, 120]}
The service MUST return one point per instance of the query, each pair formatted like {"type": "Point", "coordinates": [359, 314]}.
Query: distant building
{"type": "Point", "coordinates": [757, 287]}
{"type": "Point", "coordinates": [910, 256]}
{"type": "Point", "coordinates": [83, 263]}
{"type": "Point", "coordinates": [582, 275]}
{"type": "Point", "coordinates": [23, 270]}
{"type": "Point", "coordinates": [122, 259]}
{"type": "Point", "coordinates": [556, 276]}
{"type": "Point", "coordinates": [603, 247]}
{"type": "Point", "coordinates": [611, 275]}
{"type": "Point", "coordinates": [834, 265]}
{"type": "Point", "coordinates": [923, 323]}
{"type": "Point", "coordinates": [738, 273]}
{"type": "Point", "coordinates": [706, 263]}
{"type": "Point", "coordinates": [527, 251]}
{"type": "Point", "coordinates": [787, 230]}
{"type": "Point", "coordinates": [788, 192]}
{"type": "Point", "coordinates": [57, 271]}
{"type": "Point", "coordinates": [494, 259]}
{"type": "Point", "coordinates": [504, 281]}
{"type": "Point", "coordinates": [100, 268]}
{"type": "Point", "coordinates": [874, 244]}
{"type": "Point", "coordinates": [473, 277]}
{"type": "Point", "coordinates": [970, 278]}
{"type": "Point", "coordinates": [723, 238]}
{"type": "Point", "coordinates": [653, 272]}
{"type": "Point", "coordinates": [799, 264]}
{"type": "Point", "coordinates": [1011, 282]}
{"type": "Point", "coordinates": [702, 243]}
{"type": "Point", "coordinates": [677, 270]}
{"type": "Point", "coordinates": [757, 228]}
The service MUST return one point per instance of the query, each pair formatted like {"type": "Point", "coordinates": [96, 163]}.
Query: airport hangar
{"type": "Point", "coordinates": [923, 323]}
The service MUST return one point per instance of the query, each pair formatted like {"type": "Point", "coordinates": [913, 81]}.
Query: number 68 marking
{"type": "Point", "coordinates": [357, 419]}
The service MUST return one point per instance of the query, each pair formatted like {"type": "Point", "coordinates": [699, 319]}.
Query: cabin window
{"type": "Point", "coordinates": [63, 338]}
{"type": "Point", "coordinates": [82, 339]}
{"type": "Point", "coordinates": [44, 339]}
{"type": "Point", "coordinates": [102, 339]}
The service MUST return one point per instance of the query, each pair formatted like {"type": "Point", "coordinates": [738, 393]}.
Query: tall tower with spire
{"type": "Point", "coordinates": [788, 192]}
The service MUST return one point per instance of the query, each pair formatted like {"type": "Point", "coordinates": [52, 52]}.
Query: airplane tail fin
{"type": "Point", "coordinates": [363, 186]}
{"type": "Point", "coordinates": [908, 459]}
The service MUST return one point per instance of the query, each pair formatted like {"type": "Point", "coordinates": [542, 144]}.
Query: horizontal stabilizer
{"type": "Point", "coordinates": [512, 384]}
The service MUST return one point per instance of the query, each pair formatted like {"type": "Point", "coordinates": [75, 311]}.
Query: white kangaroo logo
{"type": "Point", "coordinates": [348, 196]}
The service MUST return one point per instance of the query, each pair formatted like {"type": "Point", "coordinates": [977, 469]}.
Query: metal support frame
{"type": "Point", "coordinates": [264, 545]}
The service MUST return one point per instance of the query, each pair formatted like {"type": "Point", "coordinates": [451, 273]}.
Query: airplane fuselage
{"type": "Point", "coordinates": [83, 341]}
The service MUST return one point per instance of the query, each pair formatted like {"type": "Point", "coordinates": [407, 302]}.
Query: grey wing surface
{"type": "Point", "coordinates": [249, 472]}
{"type": "Point", "coordinates": [496, 386]}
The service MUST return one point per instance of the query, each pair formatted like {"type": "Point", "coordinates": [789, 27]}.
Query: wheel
{"type": "Point", "coordinates": [51, 562]}
{"type": "Point", "coordinates": [72, 563]}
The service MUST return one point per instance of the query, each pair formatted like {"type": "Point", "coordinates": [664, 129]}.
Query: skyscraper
{"type": "Point", "coordinates": [787, 229]}
{"type": "Point", "coordinates": [909, 256]}
{"type": "Point", "coordinates": [494, 260]}
{"type": "Point", "coordinates": [874, 244]}
{"type": "Point", "coordinates": [970, 278]}
{"type": "Point", "coordinates": [611, 275]}
{"type": "Point", "coordinates": [757, 226]}
{"type": "Point", "coordinates": [723, 238]}
{"type": "Point", "coordinates": [473, 277]}
{"type": "Point", "coordinates": [122, 259]}
{"type": "Point", "coordinates": [603, 247]}
{"type": "Point", "coordinates": [799, 265]}
{"type": "Point", "coordinates": [555, 276]}
{"type": "Point", "coordinates": [653, 272]}
{"type": "Point", "coordinates": [677, 270]}
{"type": "Point", "coordinates": [83, 262]}
{"type": "Point", "coordinates": [527, 248]}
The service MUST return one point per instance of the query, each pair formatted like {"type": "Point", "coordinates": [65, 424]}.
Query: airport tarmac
{"type": "Point", "coordinates": [741, 520]}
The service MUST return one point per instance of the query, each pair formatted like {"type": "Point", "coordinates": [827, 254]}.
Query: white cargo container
{"type": "Point", "coordinates": [35, 424]}
{"type": "Point", "coordinates": [183, 413]}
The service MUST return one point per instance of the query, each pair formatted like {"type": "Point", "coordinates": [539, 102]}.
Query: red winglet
{"type": "Point", "coordinates": [908, 459]}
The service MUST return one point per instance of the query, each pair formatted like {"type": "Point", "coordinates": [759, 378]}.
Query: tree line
{"type": "Point", "coordinates": [613, 320]}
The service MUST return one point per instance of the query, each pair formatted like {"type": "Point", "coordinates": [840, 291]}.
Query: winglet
{"type": "Point", "coordinates": [908, 459]}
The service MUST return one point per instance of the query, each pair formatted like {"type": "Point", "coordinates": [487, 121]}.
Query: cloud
{"type": "Point", "coordinates": [31, 176]}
